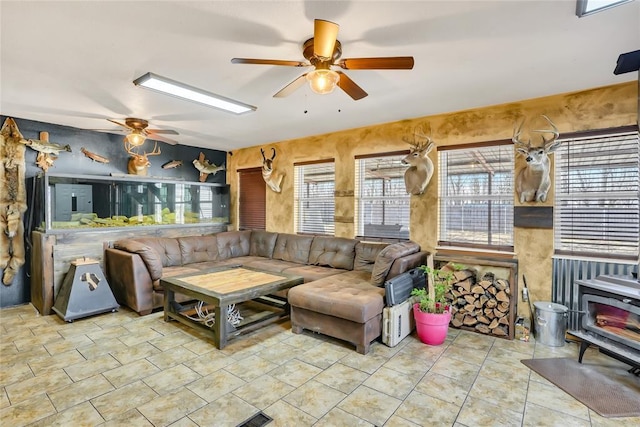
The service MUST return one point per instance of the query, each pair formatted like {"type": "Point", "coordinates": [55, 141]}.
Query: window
{"type": "Point", "coordinates": [314, 209]}
{"type": "Point", "coordinates": [382, 201]}
{"type": "Point", "coordinates": [596, 186]}
{"type": "Point", "coordinates": [475, 185]}
{"type": "Point", "coordinates": [251, 199]}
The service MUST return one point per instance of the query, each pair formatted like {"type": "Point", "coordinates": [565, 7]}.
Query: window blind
{"type": "Point", "coordinates": [596, 196]}
{"type": "Point", "coordinates": [251, 200]}
{"type": "Point", "coordinates": [382, 201]}
{"type": "Point", "coordinates": [475, 186]}
{"type": "Point", "coordinates": [314, 207]}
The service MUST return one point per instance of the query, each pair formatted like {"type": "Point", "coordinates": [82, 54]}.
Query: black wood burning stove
{"type": "Point", "coordinates": [610, 317]}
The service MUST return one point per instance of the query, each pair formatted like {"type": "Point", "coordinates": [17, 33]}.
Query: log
{"type": "Point", "coordinates": [491, 303]}
{"type": "Point", "coordinates": [465, 285]}
{"type": "Point", "coordinates": [461, 275]}
{"type": "Point", "coordinates": [482, 328]}
{"type": "Point", "coordinates": [503, 307]}
{"type": "Point", "coordinates": [478, 303]}
{"type": "Point", "coordinates": [461, 301]}
{"type": "Point", "coordinates": [485, 283]}
{"type": "Point", "coordinates": [469, 299]}
{"type": "Point", "coordinates": [469, 320]}
{"type": "Point", "coordinates": [502, 296]}
{"type": "Point", "coordinates": [504, 321]}
{"type": "Point", "coordinates": [492, 290]}
{"type": "Point", "coordinates": [455, 322]}
{"type": "Point", "coordinates": [498, 313]}
{"type": "Point", "coordinates": [477, 289]}
{"type": "Point", "coordinates": [501, 284]}
{"type": "Point", "coordinates": [483, 300]}
{"type": "Point", "coordinates": [500, 332]}
{"type": "Point", "coordinates": [489, 312]}
{"type": "Point", "coordinates": [470, 308]}
{"type": "Point", "coordinates": [494, 324]}
{"type": "Point", "coordinates": [455, 294]}
{"type": "Point", "coordinates": [483, 319]}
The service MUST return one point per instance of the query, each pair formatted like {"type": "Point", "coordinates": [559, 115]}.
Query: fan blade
{"type": "Point", "coordinates": [156, 137]}
{"type": "Point", "coordinates": [165, 131]}
{"type": "Point", "coordinates": [291, 87]}
{"type": "Point", "coordinates": [350, 87]}
{"type": "Point", "coordinates": [119, 124]}
{"type": "Point", "coordinates": [325, 34]}
{"type": "Point", "coordinates": [269, 62]}
{"type": "Point", "coordinates": [390, 63]}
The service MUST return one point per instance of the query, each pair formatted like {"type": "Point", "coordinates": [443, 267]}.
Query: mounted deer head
{"type": "Point", "coordinates": [533, 182]}
{"type": "Point", "coordinates": [272, 179]}
{"type": "Point", "coordinates": [420, 171]}
{"type": "Point", "coordinates": [139, 163]}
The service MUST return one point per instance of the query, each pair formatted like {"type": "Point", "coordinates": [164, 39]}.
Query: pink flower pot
{"type": "Point", "coordinates": [432, 328]}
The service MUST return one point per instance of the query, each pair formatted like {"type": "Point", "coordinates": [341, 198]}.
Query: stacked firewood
{"type": "Point", "coordinates": [481, 305]}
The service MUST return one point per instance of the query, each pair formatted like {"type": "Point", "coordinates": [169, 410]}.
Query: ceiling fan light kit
{"type": "Point", "coordinates": [323, 51]}
{"type": "Point", "coordinates": [323, 81]}
{"type": "Point", "coordinates": [180, 90]}
{"type": "Point", "coordinates": [136, 138]}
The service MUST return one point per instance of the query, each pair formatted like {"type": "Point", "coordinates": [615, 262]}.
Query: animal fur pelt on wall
{"type": "Point", "coordinates": [12, 200]}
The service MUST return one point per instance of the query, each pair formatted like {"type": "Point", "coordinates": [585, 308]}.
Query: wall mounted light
{"type": "Point", "coordinates": [323, 81]}
{"type": "Point", "coordinates": [190, 93]}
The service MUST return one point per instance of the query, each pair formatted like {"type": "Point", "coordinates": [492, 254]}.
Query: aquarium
{"type": "Point", "coordinates": [61, 201]}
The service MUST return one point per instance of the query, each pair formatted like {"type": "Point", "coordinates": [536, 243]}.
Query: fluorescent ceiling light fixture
{"type": "Point", "coordinates": [190, 93]}
{"type": "Point", "coordinates": [587, 7]}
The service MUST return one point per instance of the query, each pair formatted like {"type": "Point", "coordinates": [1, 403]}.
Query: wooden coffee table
{"type": "Point", "coordinates": [220, 287]}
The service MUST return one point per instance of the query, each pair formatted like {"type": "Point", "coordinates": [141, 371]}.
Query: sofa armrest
{"type": "Point", "coordinates": [129, 279]}
{"type": "Point", "coordinates": [406, 263]}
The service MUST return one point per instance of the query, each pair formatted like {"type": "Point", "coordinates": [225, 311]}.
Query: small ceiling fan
{"type": "Point", "coordinates": [139, 132]}
{"type": "Point", "coordinates": [323, 51]}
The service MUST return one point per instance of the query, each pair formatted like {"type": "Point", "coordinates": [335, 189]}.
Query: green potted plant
{"type": "Point", "coordinates": [431, 310]}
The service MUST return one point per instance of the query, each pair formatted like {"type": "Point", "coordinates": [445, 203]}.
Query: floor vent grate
{"type": "Point", "coordinates": [257, 420]}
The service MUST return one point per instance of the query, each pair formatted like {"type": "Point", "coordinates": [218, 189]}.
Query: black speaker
{"type": "Point", "coordinates": [628, 62]}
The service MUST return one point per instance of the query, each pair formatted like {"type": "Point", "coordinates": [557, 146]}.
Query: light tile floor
{"type": "Point", "coordinates": [119, 369]}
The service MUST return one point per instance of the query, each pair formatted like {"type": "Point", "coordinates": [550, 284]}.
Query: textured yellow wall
{"type": "Point", "coordinates": [599, 108]}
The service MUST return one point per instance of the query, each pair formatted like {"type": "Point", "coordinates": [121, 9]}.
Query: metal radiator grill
{"type": "Point", "coordinates": [566, 271]}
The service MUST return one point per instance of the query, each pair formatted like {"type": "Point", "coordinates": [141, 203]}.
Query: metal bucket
{"type": "Point", "coordinates": [550, 323]}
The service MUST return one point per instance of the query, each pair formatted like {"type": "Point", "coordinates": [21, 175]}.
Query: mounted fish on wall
{"type": "Point", "coordinates": [47, 151]}
{"type": "Point", "coordinates": [206, 168]}
{"type": "Point", "coordinates": [13, 200]}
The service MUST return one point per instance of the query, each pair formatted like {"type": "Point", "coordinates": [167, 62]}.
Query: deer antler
{"type": "Point", "coordinates": [554, 131]}
{"type": "Point", "coordinates": [274, 153]}
{"type": "Point", "coordinates": [155, 152]}
{"type": "Point", "coordinates": [516, 135]}
{"type": "Point", "coordinates": [129, 148]}
{"type": "Point", "coordinates": [263, 157]}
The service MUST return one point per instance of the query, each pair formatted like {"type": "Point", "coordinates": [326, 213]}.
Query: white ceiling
{"type": "Point", "coordinates": [73, 63]}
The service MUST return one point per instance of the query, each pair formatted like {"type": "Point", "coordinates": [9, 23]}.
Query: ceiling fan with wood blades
{"type": "Point", "coordinates": [139, 131]}
{"type": "Point", "coordinates": [323, 51]}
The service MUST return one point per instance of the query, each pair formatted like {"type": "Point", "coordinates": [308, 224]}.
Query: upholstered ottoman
{"type": "Point", "coordinates": [346, 306]}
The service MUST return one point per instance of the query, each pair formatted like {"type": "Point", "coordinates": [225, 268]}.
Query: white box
{"type": "Point", "coordinates": [397, 322]}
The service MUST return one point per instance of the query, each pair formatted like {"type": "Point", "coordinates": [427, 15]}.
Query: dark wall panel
{"type": "Point", "coordinates": [75, 162]}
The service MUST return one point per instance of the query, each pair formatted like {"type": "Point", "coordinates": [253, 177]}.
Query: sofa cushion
{"type": "Point", "coordinates": [336, 252]}
{"type": "Point", "coordinates": [313, 272]}
{"type": "Point", "coordinates": [262, 243]}
{"type": "Point", "coordinates": [348, 296]}
{"type": "Point", "coordinates": [233, 243]}
{"type": "Point", "coordinates": [198, 248]}
{"type": "Point", "coordinates": [150, 257]}
{"type": "Point", "coordinates": [273, 265]}
{"type": "Point", "coordinates": [366, 254]}
{"type": "Point", "coordinates": [293, 248]}
{"type": "Point", "coordinates": [387, 256]}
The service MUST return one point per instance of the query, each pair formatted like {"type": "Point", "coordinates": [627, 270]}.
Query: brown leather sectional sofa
{"type": "Point", "coordinates": [342, 295]}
